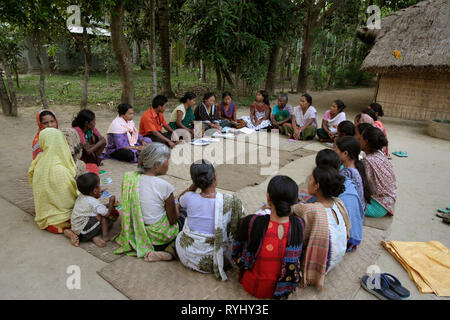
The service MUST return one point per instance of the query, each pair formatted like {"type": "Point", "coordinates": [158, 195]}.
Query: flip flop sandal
{"type": "Point", "coordinates": [396, 286]}
{"type": "Point", "coordinates": [383, 293]}
{"type": "Point", "coordinates": [444, 210]}
{"type": "Point", "coordinates": [402, 154]}
{"type": "Point", "coordinates": [443, 215]}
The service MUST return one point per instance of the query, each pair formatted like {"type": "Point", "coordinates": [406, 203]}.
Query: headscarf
{"type": "Point", "coordinates": [121, 126]}
{"type": "Point", "coordinates": [76, 148]}
{"type": "Point", "coordinates": [35, 145]}
{"type": "Point", "coordinates": [365, 118]}
{"type": "Point", "coordinates": [52, 176]}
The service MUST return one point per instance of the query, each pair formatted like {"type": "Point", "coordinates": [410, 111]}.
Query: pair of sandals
{"type": "Point", "coordinates": [444, 214]}
{"type": "Point", "coordinates": [385, 287]}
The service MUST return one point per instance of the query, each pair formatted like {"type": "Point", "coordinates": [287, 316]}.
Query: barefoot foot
{"type": "Point", "coordinates": [72, 236]}
{"type": "Point", "coordinates": [99, 242]}
{"type": "Point", "coordinates": [153, 256]}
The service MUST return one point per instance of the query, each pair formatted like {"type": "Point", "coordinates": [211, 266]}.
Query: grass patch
{"type": "Point", "coordinates": [104, 89]}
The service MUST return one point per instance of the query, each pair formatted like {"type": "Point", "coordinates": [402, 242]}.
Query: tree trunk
{"type": "Point", "coordinates": [306, 59]}
{"type": "Point", "coordinates": [122, 53]}
{"type": "Point", "coordinates": [87, 54]}
{"type": "Point", "coordinates": [272, 68]}
{"type": "Point", "coordinates": [163, 15]}
{"type": "Point", "coordinates": [219, 78]}
{"type": "Point", "coordinates": [283, 62]}
{"type": "Point", "coordinates": [16, 73]}
{"type": "Point", "coordinates": [141, 62]}
{"type": "Point", "coordinates": [289, 64]}
{"type": "Point", "coordinates": [151, 49]}
{"type": "Point", "coordinates": [38, 51]}
{"type": "Point", "coordinates": [236, 77]}
{"type": "Point", "coordinates": [12, 93]}
{"type": "Point", "coordinates": [202, 71]}
{"type": "Point", "coordinates": [227, 76]}
{"type": "Point", "coordinates": [4, 97]}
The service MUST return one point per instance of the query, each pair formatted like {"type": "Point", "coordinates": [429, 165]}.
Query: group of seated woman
{"type": "Point", "coordinates": [296, 244]}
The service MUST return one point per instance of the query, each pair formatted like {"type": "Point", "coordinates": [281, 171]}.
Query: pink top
{"type": "Point", "coordinates": [333, 123]}
{"type": "Point", "coordinates": [327, 115]}
{"type": "Point", "coordinates": [380, 125]}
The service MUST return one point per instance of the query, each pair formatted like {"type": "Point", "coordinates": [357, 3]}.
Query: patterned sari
{"type": "Point", "coordinates": [210, 253]}
{"type": "Point", "coordinates": [136, 238]}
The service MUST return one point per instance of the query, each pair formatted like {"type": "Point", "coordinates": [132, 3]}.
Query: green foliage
{"type": "Point", "coordinates": [235, 35]}
{"type": "Point", "coordinates": [11, 43]}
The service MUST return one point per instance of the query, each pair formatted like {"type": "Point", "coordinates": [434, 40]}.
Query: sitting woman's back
{"type": "Point", "coordinates": [200, 211]}
{"type": "Point", "coordinates": [327, 225]}
{"type": "Point", "coordinates": [268, 248]}
{"type": "Point", "coordinates": [211, 223]}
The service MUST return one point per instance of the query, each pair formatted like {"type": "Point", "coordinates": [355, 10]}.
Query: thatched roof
{"type": "Point", "coordinates": [420, 33]}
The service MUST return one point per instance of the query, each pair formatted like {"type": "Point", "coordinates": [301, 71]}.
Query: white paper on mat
{"type": "Point", "coordinates": [247, 130]}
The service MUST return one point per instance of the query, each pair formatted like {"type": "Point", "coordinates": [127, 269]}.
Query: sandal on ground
{"type": "Point", "coordinates": [153, 256]}
{"type": "Point", "coordinates": [443, 210]}
{"type": "Point", "coordinates": [396, 286]}
{"type": "Point", "coordinates": [444, 215]}
{"type": "Point", "coordinates": [402, 154]}
{"type": "Point", "coordinates": [383, 293]}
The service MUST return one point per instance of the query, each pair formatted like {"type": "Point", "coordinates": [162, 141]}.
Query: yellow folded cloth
{"type": "Point", "coordinates": [428, 264]}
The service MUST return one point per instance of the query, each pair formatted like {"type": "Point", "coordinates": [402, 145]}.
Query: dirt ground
{"type": "Point", "coordinates": [423, 183]}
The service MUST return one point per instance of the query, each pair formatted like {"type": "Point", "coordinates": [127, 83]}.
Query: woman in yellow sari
{"type": "Point", "coordinates": [52, 176]}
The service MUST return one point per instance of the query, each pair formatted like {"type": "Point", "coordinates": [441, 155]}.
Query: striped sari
{"type": "Point", "coordinates": [316, 241]}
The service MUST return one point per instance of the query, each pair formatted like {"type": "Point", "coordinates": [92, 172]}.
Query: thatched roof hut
{"type": "Point", "coordinates": [411, 55]}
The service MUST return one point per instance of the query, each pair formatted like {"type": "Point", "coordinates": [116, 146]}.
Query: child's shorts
{"type": "Point", "coordinates": [92, 229]}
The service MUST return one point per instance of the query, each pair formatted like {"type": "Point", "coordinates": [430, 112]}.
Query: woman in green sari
{"type": "Point", "coordinates": [182, 117]}
{"type": "Point", "coordinates": [149, 216]}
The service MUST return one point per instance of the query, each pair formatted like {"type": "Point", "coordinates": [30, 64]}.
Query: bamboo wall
{"type": "Point", "coordinates": [415, 96]}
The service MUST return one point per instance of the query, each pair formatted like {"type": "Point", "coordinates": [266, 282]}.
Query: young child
{"type": "Point", "coordinates": [268, 247]}
{"type": "Point", "coordinates": [89, 216]}
{"type": "Point", "coordinates": [331, 120]}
